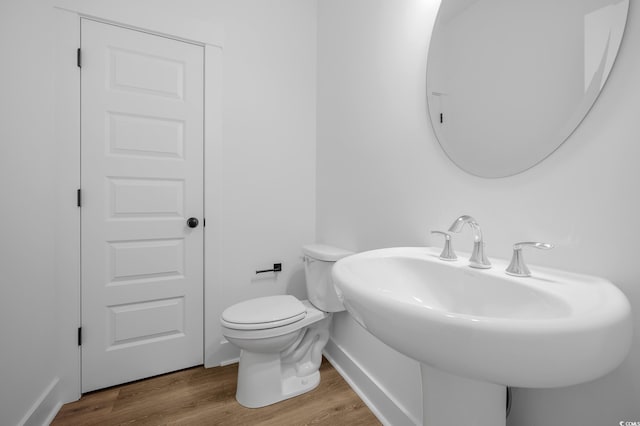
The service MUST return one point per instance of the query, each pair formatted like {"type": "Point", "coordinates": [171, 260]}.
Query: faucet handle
{"type": "Point", "coordinates": [447, 252]}
{"type": "Point", "coordinates": [517, 267]}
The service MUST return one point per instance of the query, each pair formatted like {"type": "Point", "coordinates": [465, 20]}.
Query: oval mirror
{"type": "Point", "coordinates": [509, 80]}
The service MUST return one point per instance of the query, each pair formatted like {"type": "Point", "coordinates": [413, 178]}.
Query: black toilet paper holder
{"type": "Point", "coordinates": [277, 267]}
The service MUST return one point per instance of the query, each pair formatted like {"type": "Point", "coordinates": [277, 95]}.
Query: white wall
{"type": "Point", "coordinates": [267, 198]}
{"type": "Point", "coordinates": [27, 290]}
{"type": "Point", "coordinates": [384, 181]}
{"type": "Point", "coordinates": [265, 186]}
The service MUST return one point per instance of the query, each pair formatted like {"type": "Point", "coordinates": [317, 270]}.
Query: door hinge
{"type": "Point", "coordinates": [204, 222]}
{"type": "Point", "coordinates": [78, 58]}
{"type": "Point", "coordinates": [79, 336]}
{"type": "Point", "coordinates": [79, 198]}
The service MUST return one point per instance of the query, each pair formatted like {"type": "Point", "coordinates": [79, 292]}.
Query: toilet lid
{"type": "Point", "coordinates": [264, 312]}
{"type": "Point", "coordinates": [325, 252]}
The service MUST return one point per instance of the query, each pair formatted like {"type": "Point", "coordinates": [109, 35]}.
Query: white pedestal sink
{"type": "Point", "coordinates": [475, 332]}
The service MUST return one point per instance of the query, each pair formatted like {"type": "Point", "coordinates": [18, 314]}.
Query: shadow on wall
{"type": "Point", "coordinates": [297, 286]}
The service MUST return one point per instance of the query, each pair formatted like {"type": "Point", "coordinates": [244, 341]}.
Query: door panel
{"type": "Point", "coordinates": [145, 136]}
{"type": "Point", "coordinates": [142, 177]}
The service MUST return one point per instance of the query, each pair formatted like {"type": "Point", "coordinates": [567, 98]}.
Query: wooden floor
{"type": "Point", "coordinates": [200, 396]}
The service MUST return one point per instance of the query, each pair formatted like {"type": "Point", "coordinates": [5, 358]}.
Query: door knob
{"type": "Point", "coordinates": [192, 222]}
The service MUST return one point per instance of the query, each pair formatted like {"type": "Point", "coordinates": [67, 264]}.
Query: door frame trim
{"type": "Point", "coordinates": [66, 81]}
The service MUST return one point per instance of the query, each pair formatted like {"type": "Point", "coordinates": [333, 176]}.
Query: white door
{"type": "Point", "coordinates": [142, 179]}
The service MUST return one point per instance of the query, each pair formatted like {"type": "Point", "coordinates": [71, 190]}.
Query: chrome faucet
{"type": "Point", "coordinates": [478, 258]}
{"type": "Point", "coordinates": [517, 267]}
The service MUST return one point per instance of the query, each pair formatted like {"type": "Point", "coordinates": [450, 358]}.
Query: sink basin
{"type": "Point", "coordinates": [484, 328]}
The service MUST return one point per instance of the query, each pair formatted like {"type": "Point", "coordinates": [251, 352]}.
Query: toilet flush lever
{"type": "Point", "coordinates": [447, 250]}
{"type": "Point", "coordinates": [277, 267]}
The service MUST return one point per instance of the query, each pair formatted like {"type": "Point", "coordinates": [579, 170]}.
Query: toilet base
{"type": "Point", "coordinates": [264, 380]}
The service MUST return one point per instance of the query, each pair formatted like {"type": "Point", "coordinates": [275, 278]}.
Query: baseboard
{"type": "Point", "coordinates": [225, 354]}
{"type": "Point", "coordinates": [45, 408]}
{"type": "Point", "coordinates": [375, 396]}
{"type": "Point", "coordinates": [229, 361]}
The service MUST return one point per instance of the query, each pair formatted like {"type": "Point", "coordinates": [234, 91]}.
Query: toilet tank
{"type": "Point", "coordinates": [318, 261]}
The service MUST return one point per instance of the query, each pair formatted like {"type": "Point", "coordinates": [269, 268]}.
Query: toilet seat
{"type": "Point", "coordinates": [264, 313]}
{"type": "Point", "coordinates": [310, 316]}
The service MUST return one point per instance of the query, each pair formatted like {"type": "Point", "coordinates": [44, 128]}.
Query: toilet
{"type": "Point", "coordinates": [281, 338]}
